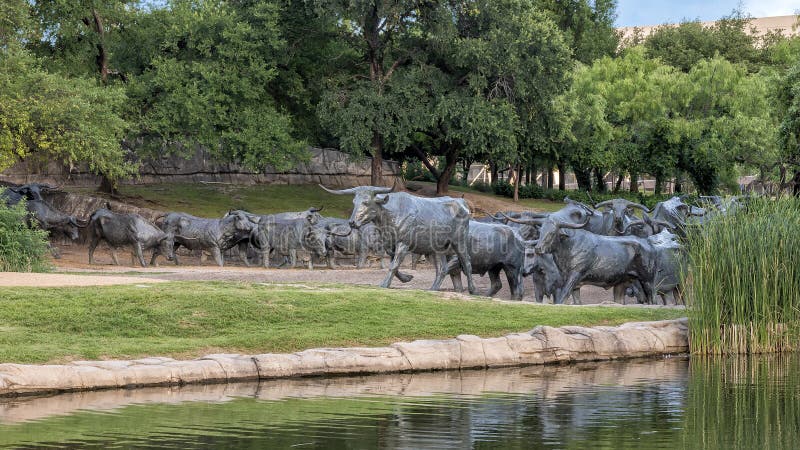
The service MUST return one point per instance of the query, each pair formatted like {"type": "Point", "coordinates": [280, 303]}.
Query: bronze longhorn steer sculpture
{"type": "Point", "coordinates": [411, 224]}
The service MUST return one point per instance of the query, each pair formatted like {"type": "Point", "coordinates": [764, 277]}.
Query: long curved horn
{"type": "Point", "coordinates": [313, 209]}
{"type": "Point", "coordinates": [633, 224]}
{"type": "Point", "coordinates": [357, 190]}
{"type": "Point", "coordinates": [524, 222]}
{"type": "Point", "coordinates": [353, 190]}
{"type": "Point", "coordinates": [639, 206]}
{"type": "Point", "coordinates": [604, 204]}
{"type": "Point", "coordinates": [572, 226]}
{"type": "Point", "coordinates": [586, 207]}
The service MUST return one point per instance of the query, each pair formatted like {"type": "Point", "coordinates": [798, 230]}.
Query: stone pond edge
{"type": "Point", "coordinates": [542, 345]}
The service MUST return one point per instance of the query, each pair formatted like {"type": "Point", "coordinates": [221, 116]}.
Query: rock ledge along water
{"type": "Point", "coordinates": [542, 345]}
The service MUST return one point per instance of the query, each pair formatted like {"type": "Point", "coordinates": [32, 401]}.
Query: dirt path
{"type": "Point", "coordinates": [16, 279]}
{"type": "Point", "coordinates": [477, 202]}
{"type": "Point", "coordinates": [75, 259]}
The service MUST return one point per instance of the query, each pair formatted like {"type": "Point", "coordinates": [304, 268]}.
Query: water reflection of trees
{"type": "Point", "coordinates": [719, 403]}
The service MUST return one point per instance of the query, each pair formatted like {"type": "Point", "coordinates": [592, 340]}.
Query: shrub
{"type": "Point", "coordinates": [743, 286]}
{"type": "Point", "coordinates": [531, 191]}
{"type": "Point", "coordinates": [503, 188]}
{"type": "Point", "coordinates": [482, 187]}
{"type": "Point", "coordinates": [22, 249]}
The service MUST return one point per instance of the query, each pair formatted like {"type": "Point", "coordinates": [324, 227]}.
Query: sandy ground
{"type": "Point", "coordinates": [9, 279]}
{"type": "Point", "coordinates": [75, 259]}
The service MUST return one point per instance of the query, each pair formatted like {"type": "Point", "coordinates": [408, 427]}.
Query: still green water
{"type": "Point", "coordinates": [666, 403]}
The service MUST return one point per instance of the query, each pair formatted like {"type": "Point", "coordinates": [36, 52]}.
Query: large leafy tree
{"type": "Point", "coordinates": [79, 37]}
{"type": "Point", "coordinates": [505, 62]}
{"type": "Point", "coordinates": [588, 26]}
{"type": "Point", "coordinates": [478, 83]}
{"type": "Point", "coordinates": [206, 78]}
{"type": "Point", "coordinates": [358, 106]}
{"type": "Point", "coordinates": [638, 115]}
{"type": "Point", "coordinates": [789, 98]}
{"type": "Point", "coordinates": [688, 43]}
{"type": "Point", "coordinates": [618, 106]}
{"type": "Point", "coordinates": [48, 117]}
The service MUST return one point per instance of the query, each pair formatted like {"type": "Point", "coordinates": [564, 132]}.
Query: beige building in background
{"type": "Point", "coordinates": [760, 26]}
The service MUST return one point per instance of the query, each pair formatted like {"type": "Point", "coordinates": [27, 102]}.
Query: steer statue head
{"type": "Point", "coordinates": [621, 209]}
{"type": "Point", "coordinates": [367, 203]}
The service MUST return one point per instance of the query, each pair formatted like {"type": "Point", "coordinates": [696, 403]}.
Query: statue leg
{"type": "Point", "coordinates": [495, 284]}
{"type": "Point", "coordinates": [399, 254]}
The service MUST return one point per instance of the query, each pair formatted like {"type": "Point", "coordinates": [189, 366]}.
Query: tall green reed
{"type": "Point", "coordinates": [743, 282]}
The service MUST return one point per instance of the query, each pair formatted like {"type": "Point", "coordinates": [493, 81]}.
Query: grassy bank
{"type": "Point", "coordinates": [744, 289]}
{"type": "Point", "coordinates": [188, 319]}
{"type": "Point", "coordinates": [214, 200]}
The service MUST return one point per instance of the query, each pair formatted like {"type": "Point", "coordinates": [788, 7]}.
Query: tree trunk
{"type": "Point", "coordinates": [584, 179]}
{"type": "Point", "coordinates": [620, 179]}
{"type": "Point", "coordinates": [376, 177]}
{"type": "Point", "coordinates": [634, 182]}
{"type": "Point", "coordinates": [493, 168]}
{"type": "Point", "coordinates": [107, 186]}
{"type": "Point", "coordinates": [466, 164]}
{"type": "Point", "coordinates": [517, 176]}
{"type": "Point", "coordinates": [678, 182]}
{"type": "Point", "coordinates": [659, 185]}
{"type": "Point", "coordinates": [443, 182]}
{"type": "Point", "coordinates": [527, 175]}
{"type": "Point", "coordinates": [562, 176]}
{"type": "Point", "coordinates": [599, 180]}
{"type": "Point", "coordinates": [550, 177]}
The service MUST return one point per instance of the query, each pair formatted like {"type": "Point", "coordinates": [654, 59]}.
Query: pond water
{"type": "Point", "coordinates": [665, 403]}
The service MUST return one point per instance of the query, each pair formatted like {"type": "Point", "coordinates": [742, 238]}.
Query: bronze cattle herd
{"type": "Point", "coordinates": [608, 245]}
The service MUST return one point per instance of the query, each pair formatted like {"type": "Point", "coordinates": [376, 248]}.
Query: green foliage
{"type": "Point", "coordinates": [687, 44]}
{"type": "Point", "coordinates": [587, 25]}
{"type": "Point", "coordinates": [503, 188]}
{"type": "Point", "coordinates": [79, 38]}
{"type": "Point", "coordinates": [209, 84]}
{"type": "Point", "coordinates": [534, 191]}
{"type": "Point", "coordinates": [634, 114]}
{"type": "Point", "coordinates": [789, 98]}
{"type": "Point", "coordinates": [22, 249]}
{"type": "Point", "coordinates": [470, 81]}
{"type": "Point", "coordinates": [15, 24]}
{"type": "Point", "coordinates": [49, 117]}
{"type": "Point", "coordinates": [744, 283]}
{"type": "Point", "coordinates": [186, 319]}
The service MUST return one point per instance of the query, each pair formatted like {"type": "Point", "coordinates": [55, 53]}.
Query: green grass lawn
{"type": "Point", "coordinates": [188, 319]}
{"type": "Point", "coordinates": [214, 200]}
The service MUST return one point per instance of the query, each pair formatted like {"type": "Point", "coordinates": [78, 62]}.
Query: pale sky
{"type": "Point", "coordinates": [657, 12]}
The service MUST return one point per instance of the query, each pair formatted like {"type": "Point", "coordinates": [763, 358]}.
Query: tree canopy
{"type": "Point", "coordinates": [512, 83]}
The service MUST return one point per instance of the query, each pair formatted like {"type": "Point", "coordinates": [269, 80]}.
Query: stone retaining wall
{"type": "Point", "coordinates": [545, 381]}
{"type": "Point", "coordinates": [542, 345]}
{"type": "Point", "coordinates": [327, 166]}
